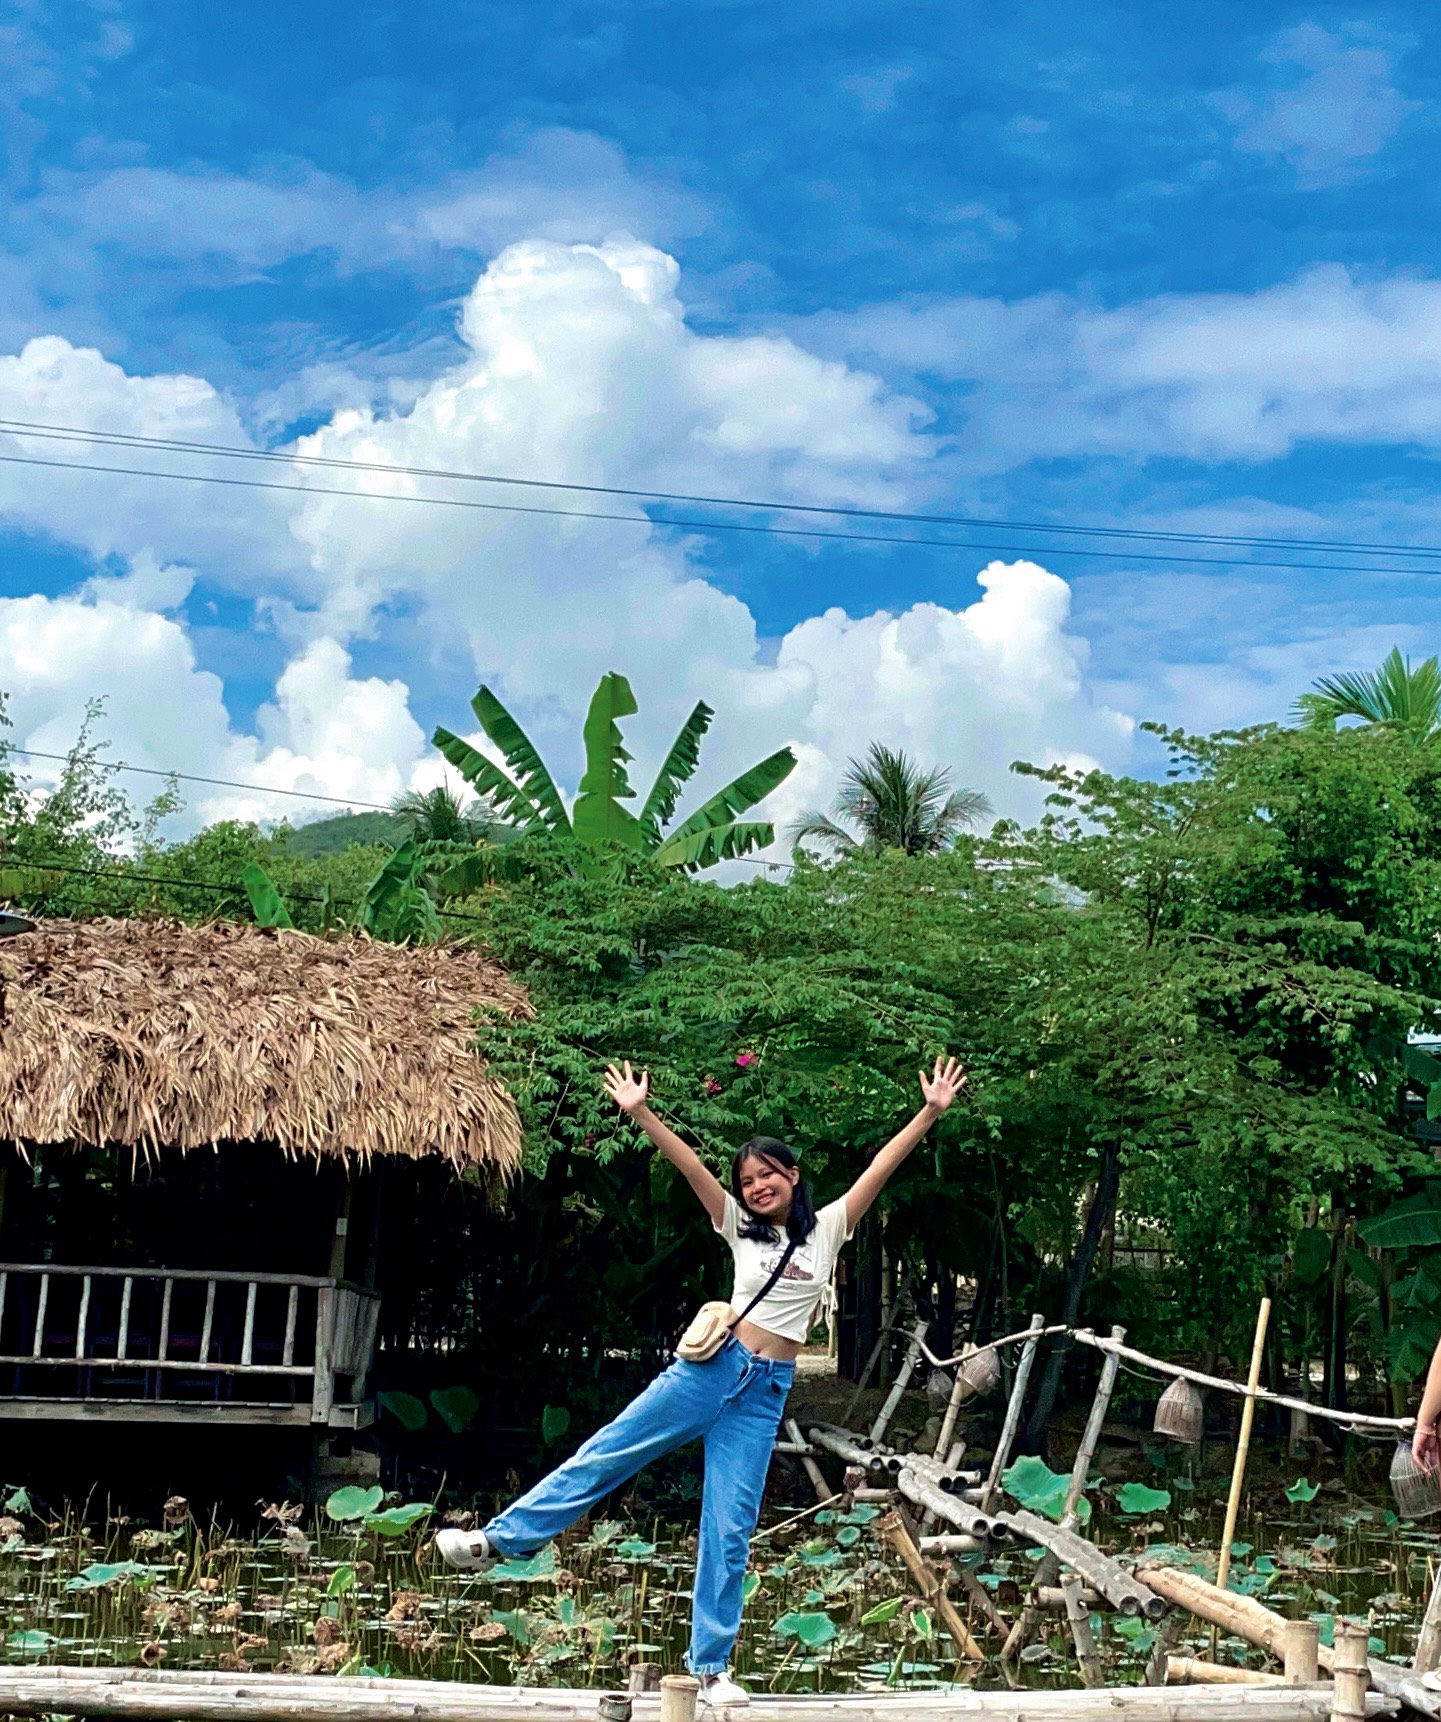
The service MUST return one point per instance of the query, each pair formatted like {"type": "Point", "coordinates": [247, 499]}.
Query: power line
{"type": "Point", "coordinates": [128, 439]}
{"type": "Point", "coordinates": [190, 777]}
{"type": "Point", "coordinates": [235, 889]}
{"type": "Point", "coordinates": [702, 525]}
{"type": "Point", "coordinates": [260, 789]}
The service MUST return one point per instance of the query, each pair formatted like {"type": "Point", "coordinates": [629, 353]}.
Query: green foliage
{"type": "Point", "coordinates": [895, 805]}
{"type": "Point", "coordinates": [349, 1504]}
{"type": "Point", "coordinates": [1139, 1498]}
{"type": "Point", "coordinates": [601, 827]}
{"type": "Point", "coordinates": [1302, 1490]}
{"type": "Point", "coordinates": [1036, 1486]}
{"type": "Point", "coordinates": [405, 1408]}
{"type": "Point", "coordinates": [812, 1629]}
{"type": "Point", "coordinates": [395, 1521]}
{"type": "Point", "coordinates": [554, 1422]}
{"type": "Point", "coordinates": [457, 1407]}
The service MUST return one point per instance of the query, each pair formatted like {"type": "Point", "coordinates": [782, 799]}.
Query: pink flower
{"type": "Point", "coordinates": [712, 1086]}
{"type": "Point", "coordinates": [746, 1059]}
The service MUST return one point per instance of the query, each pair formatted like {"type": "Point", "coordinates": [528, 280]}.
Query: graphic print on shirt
{"type": "Point", "coordinates": [801, 1266]}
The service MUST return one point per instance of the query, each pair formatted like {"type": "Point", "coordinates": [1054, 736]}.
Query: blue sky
{"type": "Point", "coordinates": [1105, 264]}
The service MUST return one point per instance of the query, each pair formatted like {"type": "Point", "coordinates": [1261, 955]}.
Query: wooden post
{"type": "Point", "coordinates": [1014, 1407]}
{"type": "Point", "coordinates": [679, 1695]}
{"type": "Point", "coordinates": [1428, 1642]}
{"type": "Point", "coordinates": [613, 1707]}
{"type": "Point", "coordinates": [893, 1529]}
{"type": "Point", "coordinates": [1167, 1638]}
{"type": "Point", "coordinates": [1243, 1445]}
{"type": "Point", "coordinates": [645, 1677]}
{"type": "Point", "coordinates": [1353, 1675]}
{"type": "Point", "coordinates": [1049, 1568]}
{"type": "Point", "coordinates": [1301, 1643]}
{"type": "Point", "coordinates": [1092, 1673]}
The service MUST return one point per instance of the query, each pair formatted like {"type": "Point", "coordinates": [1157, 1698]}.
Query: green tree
{"type": "Point", "coordinates": [439, 815]}
{"type": "Point", "coordinates": [895, 805]}
{"type": "Point", "coordinates": [1396, 695]}
{"type": "Point", "coordinates": [526, 798]}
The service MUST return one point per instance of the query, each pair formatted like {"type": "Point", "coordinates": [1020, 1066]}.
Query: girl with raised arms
{"type": "Point", "coordinates": [784, 1252]}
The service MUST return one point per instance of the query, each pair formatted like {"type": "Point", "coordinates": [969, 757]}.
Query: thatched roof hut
{"type": "Point", "coordinates": [151, 1035]}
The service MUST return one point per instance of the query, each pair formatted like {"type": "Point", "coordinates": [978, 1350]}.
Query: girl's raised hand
{"type": "Point", "coordinates": [944, 1083]}
{"type": "Point", "coordinates": [626, 1089]}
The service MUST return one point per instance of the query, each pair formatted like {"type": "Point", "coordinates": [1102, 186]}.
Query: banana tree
{"type": "Point", "coordinates": [525, 795]}
{"type": "Point", "coordinates": [396, 906]}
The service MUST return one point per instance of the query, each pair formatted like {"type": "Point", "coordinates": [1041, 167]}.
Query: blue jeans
{"type": "Point", "coordinates": [733, 1403]}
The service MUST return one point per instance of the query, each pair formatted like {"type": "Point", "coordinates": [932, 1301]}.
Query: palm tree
{"type": "Point", "coordinates": [895, 805]}
{"type": "Point", "coordinates": [1395, 696]}
{"type": "Point", "coordinates": [439, 815]}
{"type": "Point", "coordinates": [525, 797]}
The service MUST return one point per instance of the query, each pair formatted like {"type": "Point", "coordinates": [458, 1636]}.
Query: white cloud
{"type": "Point", "coordinates": [579, 363]}
{"type": "Point", "coordinates": [1328, 357]}
{"type": "Point", "coordinates": [229, 226]}
{"type": "Point", "coordinates": [325, 731]}
{"type": "Point", "coordinates": [1336, 106]}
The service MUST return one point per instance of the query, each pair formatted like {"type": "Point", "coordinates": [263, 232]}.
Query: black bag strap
{"type": "Point", "coordinates": [765, 1290]}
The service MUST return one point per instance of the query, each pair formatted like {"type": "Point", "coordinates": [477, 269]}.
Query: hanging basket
{"type": "Point", "coordinates": [1417, 1491]}
{"type": "Point", "coordinates": [1180, 1412]}
{"type": "Point", "coordinates": [980, 1370]}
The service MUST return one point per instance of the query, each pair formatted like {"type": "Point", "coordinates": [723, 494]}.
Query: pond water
{"type": "Point", "coordinates": [828, 1608]}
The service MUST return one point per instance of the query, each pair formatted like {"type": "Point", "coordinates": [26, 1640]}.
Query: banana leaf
{"type": "Point", "coordinates": [520, 755]}
{"type": "Point", "coordinates": [714, 843]}
{"type": "Point", "coordinates": [266, 902]}
{"type": "Point", "coordinates": [725, 806]}
{"type": "Point", "coordinates": [676, 771]}
{"type": "Point", "coordinates": [599, 816]}
{"type": "Point", "coordinates": [486, 778]}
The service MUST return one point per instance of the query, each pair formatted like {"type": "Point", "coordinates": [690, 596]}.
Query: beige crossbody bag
{"type": "Point", "coordinates": [712, 1322]}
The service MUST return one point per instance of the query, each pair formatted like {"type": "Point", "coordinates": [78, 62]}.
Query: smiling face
{"type": "Point", "coordinates": [767, 1189]}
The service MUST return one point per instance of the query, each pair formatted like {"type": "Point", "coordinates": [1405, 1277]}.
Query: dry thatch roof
{"type": "Point", "coordinates": [154, 1034]}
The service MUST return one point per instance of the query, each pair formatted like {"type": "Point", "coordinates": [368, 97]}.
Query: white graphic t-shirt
{"type": "Point", "coordinates": [789, 1307]}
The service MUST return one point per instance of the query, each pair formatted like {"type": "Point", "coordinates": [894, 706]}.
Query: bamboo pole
{"type": "Point", "coordinates": [1428, 1641]}
{"type": "Point", "coordinates": [1301, 1649]}
{"type": "Point", "coordinates": [813, 1471]}
{"type": "Point", "coordinates": [1092, 1673]}
{"type": "Point", "coordinates": [877, 1348]}
{"type": "Point", "coordinates": [91, 1692]}
{"type": "Point", "coordinates": [1243, 1445]}
{"type": "Point", "coordinates": [1190, 1670]}
{"type": "Point", "coordinates": [979, 1598]}
{"type": "Point", "coordinates": [1069, 1549]}
{"type": "Point", "coordinates": [1353, 1676]}
{"type": "Point", "coordinates": [1050, 1567]}
{"type": "Point", "coordinates": [1014, 1407]}
{"type": "Point", "coordinates": [1167, 1638]}
{"type": "Point", "coordinates": [894, 1531]}
{"type": "Point", "coordinates": [1241, 1615]}
{"type": "Point", "coordinates": [901, 1383]}
{"type": "Point", "coordinates": [969, 1520]}
{"type": "Point", "coordinates": [1347, 1419]}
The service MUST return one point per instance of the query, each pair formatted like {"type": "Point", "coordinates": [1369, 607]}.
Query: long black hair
{"type": "Point", "coordinates": [801, 1221]}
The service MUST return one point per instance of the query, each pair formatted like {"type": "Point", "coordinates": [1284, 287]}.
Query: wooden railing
{"type": "Point", "coordinates": [87, 1334]}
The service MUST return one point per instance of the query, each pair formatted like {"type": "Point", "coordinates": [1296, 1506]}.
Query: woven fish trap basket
{"type": "Point", "coordinates": [1180, 1413]}
{"type": "Point", "coordinates": [1417, 1490]}
{"type": "Point", "coordinates": [981, 1370]}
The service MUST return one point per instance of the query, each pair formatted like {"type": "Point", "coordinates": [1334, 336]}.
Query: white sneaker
{"type": "Point", "coordinates": [467, 1550]}
{"type": "Point", "coordinates": [720, 1691]}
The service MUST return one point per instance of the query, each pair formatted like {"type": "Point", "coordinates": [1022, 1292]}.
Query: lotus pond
{"type": "Point", "coordinates": [356, 1589]}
